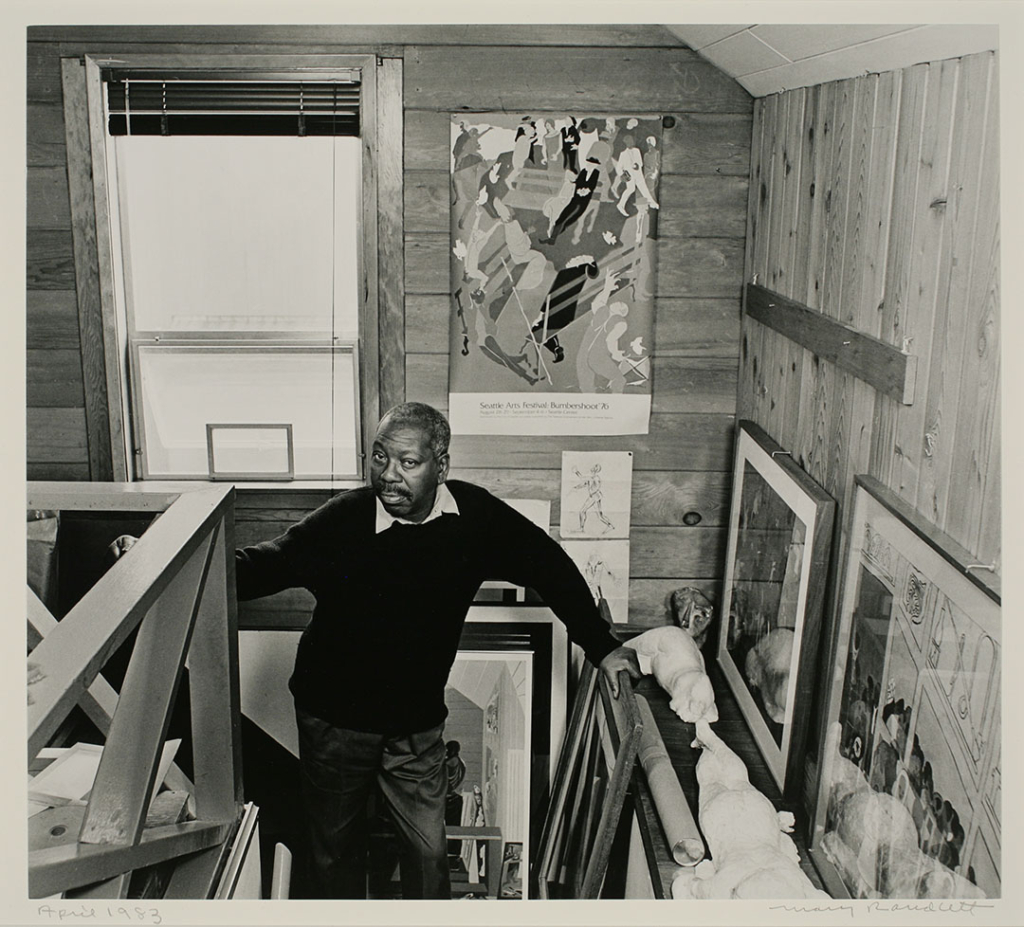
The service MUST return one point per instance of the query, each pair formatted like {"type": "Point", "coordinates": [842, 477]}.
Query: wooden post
{"type": "Point", "coordinates": [124, 781]}
{"type": "Point", "coordinates": [213, 666]}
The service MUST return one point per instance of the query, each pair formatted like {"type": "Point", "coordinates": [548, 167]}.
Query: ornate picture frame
{"type": "Point", "coordinates": [780, 535]}
{"type": "Point", "coordinates": [911, 727]}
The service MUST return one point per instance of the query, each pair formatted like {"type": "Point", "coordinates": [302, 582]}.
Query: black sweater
{"type": "Point", "coordinates": [390, 606]}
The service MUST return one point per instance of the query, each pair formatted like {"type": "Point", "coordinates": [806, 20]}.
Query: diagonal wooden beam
{"type": "Point", "coordinates": [125, 778]}
{"type": "Point", "coordinates": [71, 656]}
{"type": "Point", "coordinates": [56, 869]}
{"type": "Point", "coordinates": [100, 700]}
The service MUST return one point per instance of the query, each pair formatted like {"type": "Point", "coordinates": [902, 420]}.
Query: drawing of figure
{"type": "Point", "coordinates": [588, 136]}
{"type": "Point", "coordinates": [469, 252]}
{"type": "Point", "coordinates": [521, 251]}
{"type": "Point", "coordinates": [584, 186]}
{"type": "Point", "coordinates": [594, 572]}
{"type": "Point", "coordinates": [633, 236]}
{"type": "Point", "coordinates": [570, 145]}
{"type": "Point", "coordinates": [494, 187]}
{"type": "Point", "coordinates": [561, 305]}
{"type": "Point", "coordinates": [601, 153]}
{"type": "Point", "coordinates": [629, 166]}
{"type": "Point", "coordinates": [554, 205]}
{"type": "Point", "coordinates": [610, 130]}
{"type": "Point", "coordinates": [467, 168]}
{"type": "Point", "coordinates": [652, 162]}
{"type": "Point", "coordinates": [489, 345]}
{"type": "Point", "coordinates": [606, 327]}
{"type": "Point", "coordinates": [551, 143]}
{"type": "Point", "coordinates": [593, 502]}
{"type": "Point", "coordinates": [503, 310]}
{"type": "Point", "coordinates": [526, 135]}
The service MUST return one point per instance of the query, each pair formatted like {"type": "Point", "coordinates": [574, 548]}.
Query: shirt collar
{"type": "Point", "coordinates": [444, 504]}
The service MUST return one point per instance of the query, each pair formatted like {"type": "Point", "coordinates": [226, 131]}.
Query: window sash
{"type": "Point", "coordinates": [216, 407]}
{"type": "Point", "coordinates": [333, 297]}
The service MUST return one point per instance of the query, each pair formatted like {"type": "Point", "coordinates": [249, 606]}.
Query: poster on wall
{"type": "Point", "coordinates": [553, 230]}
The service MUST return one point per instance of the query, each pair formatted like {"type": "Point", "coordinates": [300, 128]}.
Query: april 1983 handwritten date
{"type": "Point", "coordinates": [100, 914]}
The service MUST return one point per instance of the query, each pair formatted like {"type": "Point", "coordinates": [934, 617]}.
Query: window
{"type": "Point", "coordinates": [241, 267]}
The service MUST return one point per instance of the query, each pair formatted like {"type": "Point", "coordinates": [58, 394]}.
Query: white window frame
{"type": "Point", "coordinates": [381, 114]}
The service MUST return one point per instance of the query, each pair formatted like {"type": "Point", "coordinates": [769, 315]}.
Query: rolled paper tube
{"type": "Point", "coordinates": [282, 878]}
{"type": "Point", "coordinates": [673, 809]}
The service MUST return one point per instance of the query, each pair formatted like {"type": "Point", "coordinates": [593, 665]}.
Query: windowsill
{"type": "Point", "coordinates": [248, 486]}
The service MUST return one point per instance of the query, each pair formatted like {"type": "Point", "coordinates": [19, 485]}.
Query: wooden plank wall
{"type": "Point", "coordinates": [875, 201]}
{"type": "Point", "coordinates": [681, 466]}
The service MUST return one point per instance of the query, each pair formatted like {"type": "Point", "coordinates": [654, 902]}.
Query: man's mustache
{"type": "Point", "coordinates": [390, 490]}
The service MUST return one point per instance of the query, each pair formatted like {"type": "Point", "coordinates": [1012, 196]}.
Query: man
{"type": "Point", "coordinates": [394, 568]}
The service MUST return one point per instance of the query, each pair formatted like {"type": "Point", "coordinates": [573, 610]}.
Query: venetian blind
{"type": "Point", "coordinates": [199, 104]}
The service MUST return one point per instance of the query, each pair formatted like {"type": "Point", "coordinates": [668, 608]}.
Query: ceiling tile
{"type": "Point", "coordinates": [743, 54]}
{"type": "Point", "coordinates": [924, 43]}
{"type": "Point", "coordinates": [797, 41]}
{"type": "Point", "coordinates": [699, 36]}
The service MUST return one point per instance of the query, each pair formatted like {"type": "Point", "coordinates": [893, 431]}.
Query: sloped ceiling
{"type": "Point", "coordinates": [768, 58]}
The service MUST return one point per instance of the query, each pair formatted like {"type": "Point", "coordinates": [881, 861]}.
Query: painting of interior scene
{"type": "Point", "coordinates": [487, 737]}
{"type": "Point", "coordinates": [913, 791]}
{"type": "Point", "coordinates": [763, 632]}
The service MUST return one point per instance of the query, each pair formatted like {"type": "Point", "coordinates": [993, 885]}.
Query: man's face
{"type": "Point", "coordinates": [404, 472]}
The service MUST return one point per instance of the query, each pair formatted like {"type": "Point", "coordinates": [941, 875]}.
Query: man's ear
{"type": "Point", "coordinates": [442, 468]}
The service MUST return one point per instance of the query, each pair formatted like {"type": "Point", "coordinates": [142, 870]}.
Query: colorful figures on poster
{"type": "Point", "coordinates": [550, 219]}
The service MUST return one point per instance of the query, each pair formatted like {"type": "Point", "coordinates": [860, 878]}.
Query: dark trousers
{"type": "Point", "coordinates": [340, 769]}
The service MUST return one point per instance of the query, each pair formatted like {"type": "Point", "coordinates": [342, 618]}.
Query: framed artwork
{"type": "Point", "coordinates": [512, 871]}
{"type": "Point", "coordinates": [244, 451]}
{"type": "Point", "coordinates": [909, 792]}
{"type": "Point", "coordinates": [534, 631]}
{"type": "Point", "coordinates": [595, 768]}
{"type": "Point", "coordinates": [780, 532]}
{"type": "Point", "coordinates": [488, 736]}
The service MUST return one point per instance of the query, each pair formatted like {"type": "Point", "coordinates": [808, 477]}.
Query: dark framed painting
{"type": "Point", "coordinates": [780, 535]}
{"type": "Point", "coordinates": [910, 784]}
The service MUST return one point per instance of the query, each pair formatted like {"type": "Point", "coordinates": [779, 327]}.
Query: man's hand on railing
{"type": "Point", "coordinates": [621, 658]}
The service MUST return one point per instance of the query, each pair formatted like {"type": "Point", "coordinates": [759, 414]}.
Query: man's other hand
{"type": "Point", "coordinates": [621, 658]}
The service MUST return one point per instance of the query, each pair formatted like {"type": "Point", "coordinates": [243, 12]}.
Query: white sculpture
{"type": "Point", "coordinates": [752, 855]}
{"type": "Point", "coordinates": [676, 662]}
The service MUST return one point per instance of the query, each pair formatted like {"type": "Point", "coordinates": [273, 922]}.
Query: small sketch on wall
{"type": "Point", "coordinates": [605, 567]}
{"type": "Point", "coordinates": [596, 488]}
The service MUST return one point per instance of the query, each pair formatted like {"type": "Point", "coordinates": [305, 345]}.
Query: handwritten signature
{"type": "Point", "coordinates": [887, 907]}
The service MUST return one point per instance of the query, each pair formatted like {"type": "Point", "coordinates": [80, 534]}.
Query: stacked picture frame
{"type": "Point", "coordinates": [909, 785]}
{"type": "Point", "coordinates": [780, 536]}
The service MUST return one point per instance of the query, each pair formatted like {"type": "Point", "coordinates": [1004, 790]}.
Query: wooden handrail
{"type": "Point", "coordinates": [71, 656]}
{"type": "Point", "coordinates": [176, 586]}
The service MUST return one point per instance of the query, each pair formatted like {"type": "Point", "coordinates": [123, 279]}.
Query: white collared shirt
{"type": "Point", "coordinates": [444, 504]}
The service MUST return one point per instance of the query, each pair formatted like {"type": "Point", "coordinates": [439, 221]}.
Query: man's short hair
{"type": "Point", "coordinates": [427, 418]}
